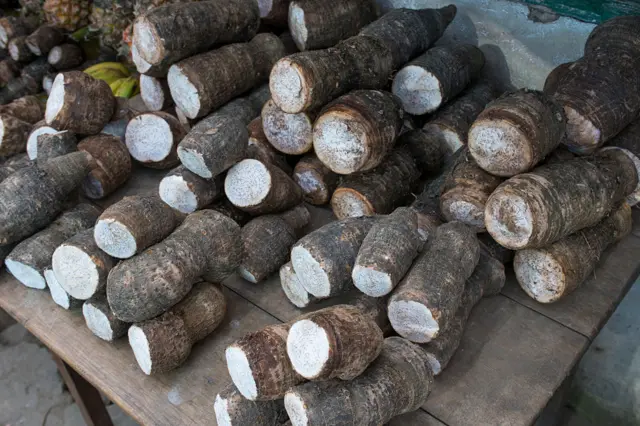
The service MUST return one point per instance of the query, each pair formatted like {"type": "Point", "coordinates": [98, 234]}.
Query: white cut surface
{"type": "Point", "coordinates": [340, 142]}
{"type": "Point", "coordinates": [347, 203]}
{"type": "Point", "coordinates": [151, 92]}
{"type": "Point", "coordinates": [14, 51]}
{"type": "Point", "coordinates": [308, 348]}
{"type": "Point", "coordinates": [26, 274]}
{"type": "Point", "coordinates": [310, 273]}
{"type": "Point", "coordinates": [47, 83]}
{"type": "Point", "coordinates": [298, 26]}
{"type": "Point", "coordinates": [221, 408]}
{"type": "Point", "coordinates": [55, 102]}
{"type": "Point", "coordinates": [372, 282]}
{"type": "Point", "coordinates": [582, 135]}
{"type": "Point", "coordinates": [149, 138]}
{"type": "Point", "coordinates": [55, 55]}
{"type": "Point", "coordinates": [177, 193]}
{"type": "Point", "coordinates": [434, 363]}
{"type": "Point", "coordinates": [141, 65]}
{"type": "Point", "coordinates": [149, 44]}
{"type": "Point", "coordinates": [289, 133]}
{"type": "Point", "coordinates": [419, 90]}
{"type": "Point", "coordinates": [240, 372]}
{"type": "Point", "coordinates": [1, 132]}
{"type": "Point", "coordinates": [115, 239]}
{"type": "Point", "coordinates": [32, 141]}
{"type": "Point", "coordinates": [97, 322]}
{"type": "Point", "coordinates": [500, 148]}
{"type": "Point", "coordinates": [451, 139]}
{"type": "Point", "coordinates": [140, 346]}
{"type": "Point", "coordinates": [413, 321]}
{"type": "Point", "coordinates": [540, 275]}
{"type": "Point", "coordinates": [293, 289]}
{"type": "Point", "coordinates": [76, 272]}
{"type": "Point", "coordinates": [509, 220]}
{"type": "Point", "coordinates": [58, 294]}
{"type": "Point", "coordinates": [467, 213]}
{"type": "Point", "coordinates": [265, 7]}
{"type": "Point", "coordinates": [194, 161]}
{"type": "Point", "coordinates": [244, 273]}
{"type": "Point", "coordinates": [296, 409]}
{"type": "Point", "coordinates": [183, 91]}
{"type": "Point", "coordinates": [33, 47]}
{"type": "Point", "coordinates": [287, 86]}
{"type": "Point", "coordinates": [248, 183]}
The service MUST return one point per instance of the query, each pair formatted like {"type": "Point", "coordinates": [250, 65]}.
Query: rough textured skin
{"type": "Point", "coordinates": [315, 179]}
{"type": "Point", "coordinates": [553, 79]}
{"type": "Point", "coordinates": [378, 191]}
{"type": "Point", "coordinates": [466, 191]}
{"type": "Point", "coordinates": [14, 135]}
{"type": "Point", "coordinates": [177, 134]}
{"type": "Point", "coordinates": [335, 247]}
{"type": "Point", "coordinates": [577, 256]}
{"type": "Point", "coordinates": [99, 302]}
{"type": "Point", "coordinates": [13, 26]}
{"type": "Point", "coordinates": [234, 409]}
{"type": "Point", "coordinates": [19, 50]}
{"type": "Point", "coordinates": [379, 115]}
{"type": "Point", "coordinates": [502, 254]}
{"type": "Point", "coordinates": [487, 280]}
{"type": "Point", "coordinates": [207, 245]}
{"type": "Point", "coordinates": [32, 197]}
{"type": "Point", "coordinates": [221, 138]}
{"type": "Point", "coordinates": [288, 133]}
{"type": "Point", "coordinates": [45, 38]}
{"type": "Point", "coordinates": [36, 251]}
{"type": "Point", "coordinates": [226, 208]}
{"type": "Point", "coordinates": [539, 122]}
{"type": "Point", "coordinates": [427, 149]}
{"type": "Point", "coordinates": [13, 164]}
{"type": "Point", "coordinates": [19, 87]}
{"type": "Point", "coordinates": [9, 69]}
{"type": "Point", "coordinates": [55, 145]}
{"type": "Point", "coordinates": [88, 104]}
{"type": "Point", "coordinates": [182, 30]}
{"type": "Point", "coordinates": [66, 56]}
{"type": "Point", "coordinates": [317, 24]}
{"type": "Point", "coordinates": [616, 36]}
{"type": "Point", "coordinates": [398, 381]}
{"type": "Point", "coordinates": [239, 67]}
{"type": "Point", "coordinates": [389, 248]}
{"type": "Point", "coordinates": [274, 12]}
{"type": "Point", "coordinates": [27, 108]}
{"type": "Point", "coordinates": [110, 165]}
{"type": "Point", "coordinates": [260, 149]}
{"type": "Point", "coordinates": [436, 281]}
{"type": "Point", "coordinates": [560, 198]}
{"type": "Point", "coordinates": [172, 335]}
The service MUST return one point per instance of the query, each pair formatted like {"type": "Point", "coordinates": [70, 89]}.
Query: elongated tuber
{"type": "Point", "coordinates": [13, 135]}
{"type": "Point", "coordinates": [220, 140]}
{"type": "Point", "coordinates": [261, 188]}
{"type": "Point", "coordinates": [615, 36]}
{"type": "Point", "coordinates": [233, 409]}
{"type": "Point", "coordinates": [59, 294]}
{"type": "Point", "coordinates": [239, 67]}
{"type": "Point", "coordinates": [267, 242]}
{"type": "Point", "coordinates": [378, 191]}
{"type": "Point", "coordinates": [260, 149]}
{"type": "Point", "coordinates": [145, 68]}
{"type": "Point", "coordinates": [315, 179]}
{"type": "Point", "coordinates": [19, 50]}
{"type": "Point", "coordinates": [355, 132]}
{"type": "Point", "coordinates": [13, 164]}
{"type": "Point", "coordinates": [426, 300]}
{"type": "Point", "coordinates": [29, 259]}
{"type": "Point", "coordinates": [553, 79]}
{"type": "Point", "coordinates": [432, 79]}
{"type": "Point", "coordinates": [308, 80]}
{"type": "Point", "coordinates": [188, 192]}
{"type": "Point", "coordinates": [316, 24]}
{"type": "Point", "coordinates": [13, 26]}
{"type": "Point", "coordinates": [133, 224]}
{"type": "Point", "coordinates": [66, 56]}
{"type": "Point", "coordinates": [427, 149]}
{"type": "Point", "coordinates": [288, 133]}
{"type": "Point", "coordinates": [629, 142]}
{"type": "Point", "coordinates": [487, 280]}
{"type": "Point", "coordinates": [155, 93]}
{"type": "Point", "coordinates": [226, 208]}
{"type": "Point", "coordinates": [100, 319]}
{"type": "Point", "coordinates": [293, 288]}
{"type": "Point", "coordinates": [398, 381]}
{"type": "Point", "coordinates": [502, 254]}
{"type": "Point", "coordinates": [551, 273]}
{"type": "Point", "coordinates": [40, 128]}
{"type": "Point", "coordinates": [323, 259]}
{"type": "Point", "coordinates": [387, 253]}
{"type": "Point", "coordinates": [27, 108]}
{"type": "Point", "coordinates": [55, 145]}
{"type": "Point", "coordinates": [516, 132]}
{"type": "Point", "coordinates": [9, 69]}
{"type": "Point", "coordinates": [45, 38]}
{"type": "Point", "coordinates": [163, 344]}
{"type": "Point", "coordinates": [152, 139]}
{"type": "Point", "coordinates": [207, 245]}
{"type": "Point", "coordinates": [168, 34]}
{"type": "Point", "coordinates": [79, 103]}
{"type": "Point", "coordinates": [32, 197]}
{"type": "Point", "coordinates": [110, 165]}
{"type": "Point", "coordinates": [536, 209]}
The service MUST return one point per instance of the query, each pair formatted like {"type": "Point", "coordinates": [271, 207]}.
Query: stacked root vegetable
{"type": "Point", "coordinates": [336, 125]}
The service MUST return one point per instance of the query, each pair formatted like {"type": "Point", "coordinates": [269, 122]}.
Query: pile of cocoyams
{"type": "Point", "coordinates": [337, 124]}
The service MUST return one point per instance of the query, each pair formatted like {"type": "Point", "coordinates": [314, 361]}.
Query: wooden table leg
{"type": "Point", "coordinates": [86, 396]}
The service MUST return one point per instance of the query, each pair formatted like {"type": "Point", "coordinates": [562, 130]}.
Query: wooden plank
{"type": "Point", "coordinates": [415, 418]}
{"type": "Point", "coordinates": [184, 396]}
{"type": "Point", "coordinates": [588, 308]}
{"type": "Point", "coordinates": [508, 366]}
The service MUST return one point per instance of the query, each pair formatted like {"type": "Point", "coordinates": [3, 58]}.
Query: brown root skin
{"type": "Point", "coordinates": [466, 191]}
{"type": "Point", "coordinates": [495, 250]}
{"type": "Point", "coordinates": [536, 209]}
{"type": "Point", "coordinates": [550, 274]}
{"type": "Point", "coordinates": [315, 179]}
{"type": "Point", "coordinates": [115, 328]}
{"type": "Point", "coordinates": [426, 300]}
{"type": "Point", "coordinates": [86, 106]}
{"type": "Point", "coordinates": [13, 164]}
{"type": "Point", "coordinates": [55, 145]}
{"type": "Point", "coordinates": [45, 38]}
{"type": "Point", "coordinates": [110, 166]}
{"type": "Point", "coordinates": [207, 245]}
{"type": "Point", "coordinates": [288, 133]}
{"type": "Point", "coordinates": [32, 197]}
{"type": "Point", "coordinates": [260, 149]}
{"type": "Point", "coordinates": [365, 61]}
{"type": "Point", "coordinates": [19, 87]}
{"type": "Point", "coordinates": [233, 409]}
{"type": "Point", "coordinates": [315, 24]}
{"type": "Point", "coordinates": [9, 69]}
{"type": "Point", "coordinates": [19, 50]}
{"type": "Point", "coordinates": [188, 192]}
{"type": "Point", "coordinates": [615, 36]}
{"type": "Point", "coordinates": [171, 336]}
{"type": "Point", "coordinates": [357, 131]}
{"type": "Point", "coordinates": [36, 70]}
{"type": "Point", "coordinates": [274, 12]}
{"type": "Point", "coordinates": [378, 191]}
{"type": "Point", "coordinates": [177, 31]}
{"type": "Point", "coordinates": [289, 45]}
{"type": "Point", "coordinates": [66, 56]}
{"type": "Point", "coordinates": [27, 108]}
{"type": "Point", "coordinates": [516, 132]}
{"type": "Point", "coordinates": [387, 253]}
{"type": "Point", "coordinates": [552, 82]}
{"type": "Point", "coordinates": [427, 149]}
{"type": "Point", "coordinates": [398, 381]}
{"type": "Point", "coordinates": [13, 26]}
{"type": "Point", "coordinates": [152, 139]}
{"type": "Point", "coordinates": [14, 135]}
{"type": "Point", "coordinates": [226, 208]}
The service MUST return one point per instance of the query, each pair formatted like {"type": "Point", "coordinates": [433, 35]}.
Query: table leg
{"type": "Point", "coordinates": [85, 395]}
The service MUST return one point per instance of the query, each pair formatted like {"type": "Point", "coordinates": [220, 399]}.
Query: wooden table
{"type": "Point", "coordinates": [514, 356]}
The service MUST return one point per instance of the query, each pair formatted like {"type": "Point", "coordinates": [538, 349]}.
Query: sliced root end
{"type": "Point", "coordinates": [149, 138]}
{"type": "Point", "coordinates": [76, 272]}
{"type": "Point", "coordinates": [582, 135]}
{"type": "Point", "coordinates": [308, 348]}
{"type": "Point", "coordinates": [55, 102]}
{"type": "Point", "coordinates": [97, 322]}
{"type": "Point", "coordinates": [152, 93]}
{"type": "Point", "coordinates": [413, 321]}
{"type": "Point", "coordinates": [194, 162]}
{"type": "Point", "coordinates": [288, 87]}
{"type": "Point", "coordinates": [177, 193]}
{"type": "Point", "coordinates": [310, 273]}
{"type": "Point", "coordinates": [184, 92]}
{"type": "Point", "coordinates": [247, 183]}
{"type": "Point", "coordinates": [347, 203]}
{"type": "Point", "coordinates": [500, 148]}
{"type": "Point", "coordinates": [372, 282]}
{"type": "Point", "coordinates": [419, 90]}
{"type": "Point", "coordinates": [27, 275]}
{"type": "Point", "coordinates": [241, 373]}
{"type": "Point", "coordinates": [115, 239]}
{"type": "Point", "coordinates": [296, 409]}
{"type": "Point", "coordinates": [140, 346]}
{"type": "Point", "coordinates": [509, 220]}
{"type": "Point", "coordinates": [540, 275]}
{"type": "Point", "coordinates": [340, 142]}
{"type": "Point", "coordinates": [58, 294]}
